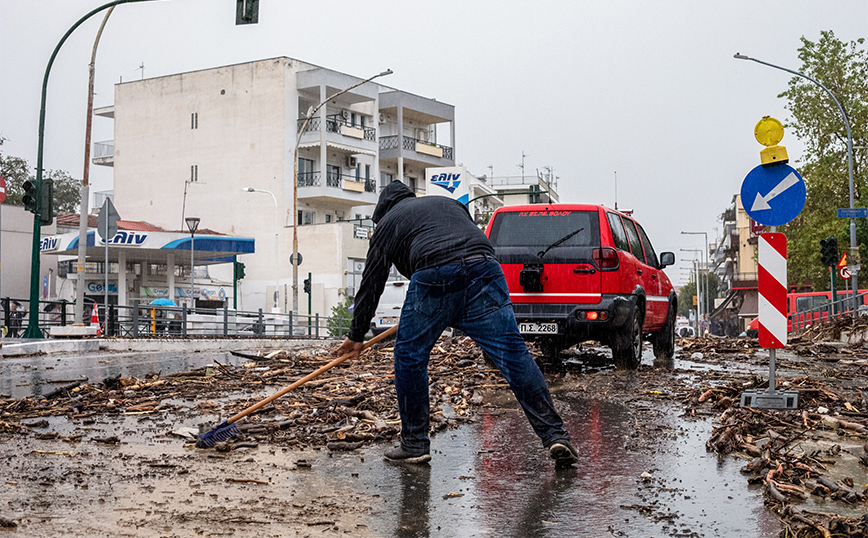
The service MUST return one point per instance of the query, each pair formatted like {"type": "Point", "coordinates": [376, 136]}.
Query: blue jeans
{"type": "Point", "coordinates": [470, 295]}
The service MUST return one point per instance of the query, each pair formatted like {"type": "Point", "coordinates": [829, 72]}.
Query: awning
{"type": "Point", "coordinates": [154, 247]}
{"type": "Point", "coordinates": [341, 147]}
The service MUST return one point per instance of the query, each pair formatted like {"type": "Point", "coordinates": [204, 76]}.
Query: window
{"type": "Point", "coordinates": [305, 217]}
{"type": "Point", "coordinates": [649, 250]}
{"type": "Point", "coordinates": [412, 183]}
{"type": "Point", "coordinates": [635, 244]}
{"type": "Point", "coordinates": [385, 179]}
{"type": "Point", "coordinates": [529, 229]}
{"type": "Point", "coordinates": [619, 236]}
{"type": "Point", "coordinates": [305, 172]}
{"type": "Point", "coordinates": [194, 120]}
{"type": "Point", "coordinates": [328, 218]}
{"type": "Point", "coordinates": [367, 172]}
{"type": "Point", "coordinates": [194, 173]}
{"type": "Point", "coordinates": [333, 175]}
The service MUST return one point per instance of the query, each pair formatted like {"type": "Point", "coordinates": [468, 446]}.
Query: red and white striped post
{"type": "Point", "coordinates": [772, 290]}
{"type": "Point", "coordinates": [772, 257]}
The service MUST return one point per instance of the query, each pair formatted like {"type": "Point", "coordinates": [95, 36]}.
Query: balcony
{"type": "Point", "coordinates": [340, 134]}
{"type": "Point", "coordinates": [337, 189]}
{"type": "Point", "coordinates": [419, 146]}
{"type": "Point", "coordinates": [104, 153]}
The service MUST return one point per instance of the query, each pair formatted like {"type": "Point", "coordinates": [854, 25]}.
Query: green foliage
{"type": "Point", "coordinates": [339, 322]}
{"type": "Point", "coordinates": [817, 122]}
{"type": "Point", "coordinates": [686, 293]}
{"type": "Point", "coordinates": [15, 170]}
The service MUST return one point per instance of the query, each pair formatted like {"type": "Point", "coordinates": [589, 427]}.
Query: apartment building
{"type": "Point", "coordinates": [218, 144]}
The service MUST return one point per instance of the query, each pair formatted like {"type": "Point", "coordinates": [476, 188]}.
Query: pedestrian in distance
{"type": "Point", "coordinates": [16, 314]}
{"type": "Point", "coordinates": [455, 281]}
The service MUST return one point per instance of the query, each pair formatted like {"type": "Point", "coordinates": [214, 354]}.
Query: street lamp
{"type": "Point", "coordinates": [699, 287]}
{"type": "Point", "coordinates": [705, 286]}
{"type": "Point", "coordinates": [854, 252]}
{"type": "Point", "coordinates": [192, 225]}
{"type": "Point", "coordinates": [310, 113]}
{"type": "Point", "coordinates": [276, 308]}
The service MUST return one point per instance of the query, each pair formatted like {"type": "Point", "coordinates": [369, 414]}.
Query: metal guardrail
{"type": "Point", "coordinates": [831, 310]}
{"type": "Point", "coordinates": [144, 320]}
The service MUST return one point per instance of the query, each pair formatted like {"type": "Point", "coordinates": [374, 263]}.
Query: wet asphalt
{"type": "Point", "coordinates": [493, 478]}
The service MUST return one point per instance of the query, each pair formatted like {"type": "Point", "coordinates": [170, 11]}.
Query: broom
{"type": "Point", "coordinates": [227, 429]}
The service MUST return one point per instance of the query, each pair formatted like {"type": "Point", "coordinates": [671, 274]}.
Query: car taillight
{"type": "Point", "coordinates": [606, 258]}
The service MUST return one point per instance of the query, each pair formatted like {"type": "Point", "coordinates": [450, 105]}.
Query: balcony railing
{"type": "Point", "coordinates": [308, 179]}
{"type": "Point", "coordinates": [410, 144]}
{"type": "Point", "coordinates": [312, 125]}
{"type": "Point", "coordinates": [312, 179]}
{"type": "Point", "coordinates": [334, 123]}
{"type": "Point", "coordinates": [103, 149]}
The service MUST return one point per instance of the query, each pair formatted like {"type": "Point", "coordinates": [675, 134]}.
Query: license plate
{"type": "Point", "coordinates": [387, 321]}
{"type": "Point", "coordinates": [538, 328]}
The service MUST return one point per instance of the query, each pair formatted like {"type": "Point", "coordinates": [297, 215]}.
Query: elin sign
{"type": "Point", "coordinates": [126, 238]}
{"type": "Point", "coordinates": [452, 182]}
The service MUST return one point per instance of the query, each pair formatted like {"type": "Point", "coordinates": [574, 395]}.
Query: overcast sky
{"type": "Point", "coordinates": [647, 90]}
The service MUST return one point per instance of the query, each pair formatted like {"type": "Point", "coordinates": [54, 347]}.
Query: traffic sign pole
{"type": "Point", "coordinates": [772, 255]}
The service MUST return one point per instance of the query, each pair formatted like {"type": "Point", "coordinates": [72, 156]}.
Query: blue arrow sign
{"type": "Point", "coordinates": [773, 195]}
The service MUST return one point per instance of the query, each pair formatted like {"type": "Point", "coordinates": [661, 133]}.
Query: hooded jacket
{"type": "Point", "coordinates": [413, 234]}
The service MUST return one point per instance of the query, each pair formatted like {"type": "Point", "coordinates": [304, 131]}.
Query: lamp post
{"type": "Point", "coordinates": [276, 308]}
{"type": "Point", "coordinates": [705, 285]}
{"type": "Point", "coordinates": [310, 113]}
{"type": "Point", "coordinates": [33, 330]}
{"type": "Point", "coordinates": [853, 247]}
{"type": "Point", "coordinates": [699, 287]}
{"type": "Point", "coordinates": [192, 225]}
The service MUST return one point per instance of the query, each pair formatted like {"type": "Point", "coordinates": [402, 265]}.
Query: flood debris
{"type": "Point", "coordinates": [805, 455]}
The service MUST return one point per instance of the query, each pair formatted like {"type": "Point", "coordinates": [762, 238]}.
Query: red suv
{"type": "Point", "coordinates": [585, 272]}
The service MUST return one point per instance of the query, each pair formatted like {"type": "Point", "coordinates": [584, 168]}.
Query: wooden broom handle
{"type": "Point", "coordinates": [311, 375]}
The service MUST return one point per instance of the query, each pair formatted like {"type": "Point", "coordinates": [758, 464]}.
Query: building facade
{"type": "Point", "coordinates": [219, 144]}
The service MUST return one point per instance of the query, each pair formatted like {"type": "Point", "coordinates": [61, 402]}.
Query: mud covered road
{"type": "Point", "coordinates": [109, 457]}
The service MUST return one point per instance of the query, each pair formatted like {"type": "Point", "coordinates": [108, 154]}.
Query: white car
{"type": "Point", "coordinates": [389, 309]}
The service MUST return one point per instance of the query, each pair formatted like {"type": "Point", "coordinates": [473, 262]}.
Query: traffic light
{"type": "Point", "coordinates": [246, 12]}
{"type": "Point", "coordinates": [829, 251]}
{"type": "Point", "coordinates": [29, 197]}
{"type": "Point", "coordinates": [46, 207]}
{"type": "Point", "coordinates": [238, 271]}
{"type": "Point", "coordinates": [307, 285]}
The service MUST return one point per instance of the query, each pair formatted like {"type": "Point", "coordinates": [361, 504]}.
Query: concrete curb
{"type": "Point", "coordinates": [34, 347]}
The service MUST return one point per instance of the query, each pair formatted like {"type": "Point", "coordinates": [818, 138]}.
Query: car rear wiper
{"type": "Point", "coordinates": [558, 242]}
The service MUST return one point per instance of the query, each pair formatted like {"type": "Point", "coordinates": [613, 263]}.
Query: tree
{"type": "Point", "coordinates": [15, 170]}
{"type": "Point", "coordinates": [817, 122]}
{"type": "Point", "coordinates": [339, 322]}
{"type": "Point", "coordinates": [686, 293]}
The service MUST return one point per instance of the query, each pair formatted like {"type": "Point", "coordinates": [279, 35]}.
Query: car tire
{"type": "Point", "coordinates": [627, 344]}
{"type": "Point", "coordinates": [664, 340]}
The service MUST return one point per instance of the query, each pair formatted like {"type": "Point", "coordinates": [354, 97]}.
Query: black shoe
{"type": "Point", "coordinates": [563, 453]}
{"type": "Point", "coordinates": [399, 454]}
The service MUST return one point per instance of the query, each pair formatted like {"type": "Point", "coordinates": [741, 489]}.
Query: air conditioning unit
{"type": "Point", "coordinates": [351, 162]}
{"type": "Point", "coordinates": [422, 134]}
{"type": "Point", "coordinates": [382, 118]}
{"type": "Point", "coordinates": [345, 114]}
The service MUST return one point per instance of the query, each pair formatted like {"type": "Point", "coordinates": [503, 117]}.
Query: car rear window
{"type": "Point", "coordinates": [544, 228]}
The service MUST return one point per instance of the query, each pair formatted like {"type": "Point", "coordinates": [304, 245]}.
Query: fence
{"type": "Point", "coordinates": [143, 320]}
{"type": "Point", "coordinates": [830, 310]}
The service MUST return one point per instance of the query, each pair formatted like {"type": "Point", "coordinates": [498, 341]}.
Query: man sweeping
{"type": "Point", "coordinates": [455, 281]}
